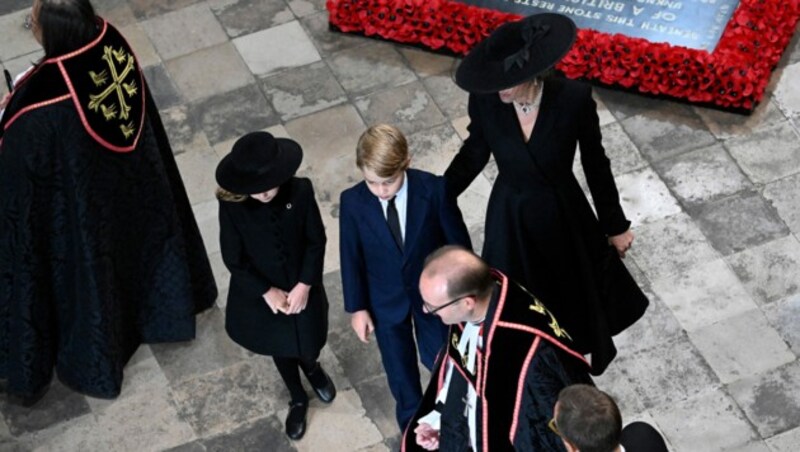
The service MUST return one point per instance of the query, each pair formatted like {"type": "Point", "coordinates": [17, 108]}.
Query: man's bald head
{"type": "Point", "coordinates": [461, 270]}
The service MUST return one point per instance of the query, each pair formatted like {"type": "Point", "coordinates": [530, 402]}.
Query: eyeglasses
{"type": "Point", "coordinates": [434, 309]}
{"type": "Point", "coordinates": [552, 425]}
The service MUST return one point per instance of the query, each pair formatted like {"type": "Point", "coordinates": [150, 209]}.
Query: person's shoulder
{"type": "Point", "coordinates": [570, 88]}
{"type": "Point", "coordinates": [427, 181]}
{"type": "Point", "coordinates": [351, 193]}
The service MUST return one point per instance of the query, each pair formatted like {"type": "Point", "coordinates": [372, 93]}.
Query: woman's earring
{"type": "Point", "coordinates": [28, 24]}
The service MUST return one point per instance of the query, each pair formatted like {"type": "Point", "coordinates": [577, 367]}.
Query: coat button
{"type": "Point", "coordinates": [288, 205]}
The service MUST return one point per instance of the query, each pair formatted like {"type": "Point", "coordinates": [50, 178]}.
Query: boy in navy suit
{"type": "Point", "coordinates": [389, 223]}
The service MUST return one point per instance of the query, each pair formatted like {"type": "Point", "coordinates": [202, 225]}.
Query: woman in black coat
{"type": "Point", "coordinates": [540, 228]}
{"type": "Point", "coordinates": [273, 243]}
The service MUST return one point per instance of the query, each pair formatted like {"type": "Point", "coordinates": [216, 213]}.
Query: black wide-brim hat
{"type": "Point", "coordinates": [257, 163]}
{"type": "Point", "coordinates": [516, 52]}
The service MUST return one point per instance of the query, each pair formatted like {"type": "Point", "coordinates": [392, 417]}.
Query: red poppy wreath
{"type": "Point", "coordinates": [733, 76]}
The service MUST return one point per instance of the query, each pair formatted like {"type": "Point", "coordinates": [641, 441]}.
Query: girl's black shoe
{"type": "Point", "coordinates": [296, 420]}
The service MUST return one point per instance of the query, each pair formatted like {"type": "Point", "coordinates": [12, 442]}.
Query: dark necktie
{"type": "Point", "coordinates": [394, 223]}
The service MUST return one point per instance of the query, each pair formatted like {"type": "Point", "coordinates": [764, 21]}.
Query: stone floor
{"type": "Point", "coordinates": [712, 196]}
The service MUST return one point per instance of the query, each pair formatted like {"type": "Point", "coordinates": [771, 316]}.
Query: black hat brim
{"type": "Point", "coordinates": [485, 68]}
{"type": "Point", "coordinates": [287, 161]}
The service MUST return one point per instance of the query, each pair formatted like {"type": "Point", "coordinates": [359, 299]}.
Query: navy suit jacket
{"type": "Point", "coordinates": [376, 274]}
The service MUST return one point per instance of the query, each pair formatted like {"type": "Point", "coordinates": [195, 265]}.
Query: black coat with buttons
{"type": "Point", "coordinates": [278, 244]}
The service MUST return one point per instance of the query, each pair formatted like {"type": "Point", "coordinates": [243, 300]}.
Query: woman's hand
{"type": "Point", "coordinates": [297, 299]}
{"type": "Point", "coordinates": [4, 101]}
{"type": "Point", "coordinates": [276, 300]}
{"type": "Point", "coordinates": [622, 242]}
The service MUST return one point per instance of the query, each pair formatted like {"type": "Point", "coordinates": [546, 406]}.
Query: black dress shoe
{"type": "Point", "coordinates": [322, 384]}
{"type": "Point", "coordinates": [296, 420]}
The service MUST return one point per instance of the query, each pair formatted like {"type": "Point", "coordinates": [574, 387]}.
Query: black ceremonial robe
{"type": "Point", "coordinates": [540, 229]}
{"type": "Point", "coordinates": [99, 249]}
{"type": "Point", "coordinates": [526, 359]}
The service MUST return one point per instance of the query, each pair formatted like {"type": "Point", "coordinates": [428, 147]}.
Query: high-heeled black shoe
{"type": "Point", "coordinates": [322, 384]}
{"type": "Point", "coordinates": [296, 420]}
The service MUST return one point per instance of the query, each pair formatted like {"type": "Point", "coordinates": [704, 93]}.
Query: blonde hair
{"type": "Point", "coordinates": [383, 149]}
{"type": "Point", "coordinates": [225, 195]}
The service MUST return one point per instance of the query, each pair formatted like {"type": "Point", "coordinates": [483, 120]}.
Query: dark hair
{"type": "Point", "coordinates": [473, 277]}
{"type": "Point", "coordinates": [588, 418]}
{"type": "Point", "coordinates": [66, 25]}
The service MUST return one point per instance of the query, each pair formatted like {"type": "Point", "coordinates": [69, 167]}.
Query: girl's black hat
{"type": "Point", "coordinates": [257, 163]}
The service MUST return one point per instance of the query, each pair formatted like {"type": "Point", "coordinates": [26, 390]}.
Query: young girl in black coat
{"type": "Point", "coordinates": [273, 243]}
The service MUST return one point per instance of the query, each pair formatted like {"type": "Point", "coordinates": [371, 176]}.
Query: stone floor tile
{"type": "Point", "coordinates": [151, 8]}
{"type": "Point", "coordinates": [196, 79]}
{"type": "Point", "coordinates": [787, 93]}
{"type": "Point", "coordinates": [783, 316]}
{"type": "Point", "coordinates": [622, 105]}
{"type": "Point", "coordinates": [58, 405]}
{"type": "Point", "coordinates": [769, 271]}
{"type": "Point", "coordinates": [620, 150]}
{"type": "Point", "coordinates": [370, 68]}
{"type": "Point", "coordinates": [379, 404]}
{"type": "Point", "coordinates": [656, 326]}
{"type": "Point", "coordinates": [146, 54]}
{"type": "Point", "coordinates": [117, 12]}
{"type": "Point", "coordinates": [739, 222]}
{"type": "Point", "coordinates": [783, 158]}
{"type": "Point", "coordinates": [265, 432]}
{"type": "Point", "coordinates": [616, 383]}
{"type": "Point", "coordinates": [221, 273]}
{"type": "Point", "coordinates": [143, 421]}
{"type": "Point", "coordinates": [782, 195]}
{"type": "Point", "coordinates": [382, 447]}
{"type": "Point", "coordinates": [16, 66]}
{"type": "Point", "coordinates": [460, 124]}
{"type": "Point", "coordinates": [360, 362]}
{"type": "Point", "coordinates": [667, 373]}
{"type": "Point", "coordinates": [408, 107]}
{"type": "Point", "coordinates": [785, 442]}
{"type": "Point", "coordinates": [206, 216]}
{"type": "Point", "coordinates": [771, 401]}
{"type": "Point", "coordinates": [670, 245]}
{"type": "Point", "coordinates": [161, 87]}
{"type": "Point", "coordinates": [669, 131]}
{"type": "Point", "coordinates": [702, 175]}
{"type": "Point", "coordinates": [426, 64]}
{"type": "Point", "coordinates": [338, 319]}
{"type": "Point", "coordinates": [184, 31]}
{"type": "Point", "coordinates": [252, 390]}
{"type": "Point", "coordinates": [726, 125]}
{"type": "Point", "coordinates": [10, 6]}
{"type": "Point", "coordinates": [433, 149]}
{"type": "Point", "coordinates": [16, 39]}
{"type": "Point", "coordinates": [197, 170]}
{"type": "Point", "coordinates": [241, 17]}
{"type": "Point", "coordinates": [193, 446]}
{"type": "Point", "coordinates": [327, 41]}
{"type": "Point", "coordinates": [603, 113]}
{"type": "Point", "coordinates": [181, 134]}
{"type": "Point", "coordinates": [211, 349]}
{"type": "Point", "coordinates": [342, 425]}
{"type": "Point", "coordinates": [305, 7]}
{"type": "Point", "coordinates": [233, 114]}
{"type": "Point", "coordinates": [644, 197]}
{"type": "Point", "coordinates": [278, 48]}
{"type": "Point", "coordinates": [734, 355]}
{"type": "Point", "coordinates": [710, 419]}
{"type": "Point", "coordinates": [450, 99]}
{"type": "Point", "coordinates": [303, 90]}
{"type": "Point", "coordinates": [703, 294]}
{"type": "Point", "coordinates": [473, 202]}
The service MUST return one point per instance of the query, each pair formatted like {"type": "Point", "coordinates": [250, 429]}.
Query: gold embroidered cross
{"type": "Point", "coordinates": [117, 85]}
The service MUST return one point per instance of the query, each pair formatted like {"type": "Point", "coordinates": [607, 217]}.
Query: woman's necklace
{"type": "Point", "coordinates": [527, 108]}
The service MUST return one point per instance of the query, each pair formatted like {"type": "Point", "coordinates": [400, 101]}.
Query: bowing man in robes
{"type": "Point", "coordinates": [99, 250]}
{"type": "Point", "coordinates": [506, 359]}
